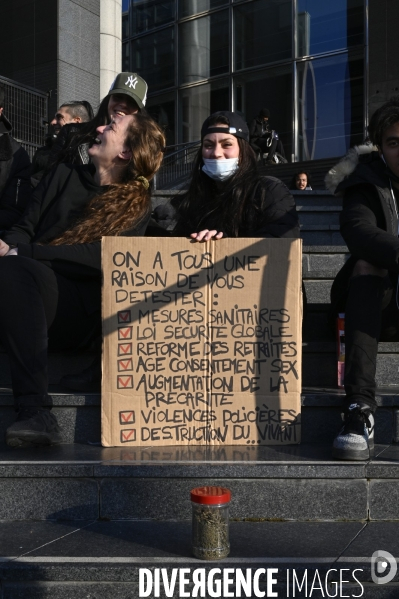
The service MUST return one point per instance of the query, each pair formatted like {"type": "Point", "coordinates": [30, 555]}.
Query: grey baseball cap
{"type": "Point", "coordinates": [132, 85]}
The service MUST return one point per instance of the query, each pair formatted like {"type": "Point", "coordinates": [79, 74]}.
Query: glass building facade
{"type": "Point", "coordinates": [304, 60]}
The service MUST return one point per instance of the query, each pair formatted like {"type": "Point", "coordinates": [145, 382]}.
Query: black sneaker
{"type": "Point", "coordinates": [355, 441]}
{"type": "Point", "coordinates": [33, 426]}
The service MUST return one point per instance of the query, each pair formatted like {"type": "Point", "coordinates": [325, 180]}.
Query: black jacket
{"type": "Point", "coordinates": [271, 213]}
{"type": "Point", "coordinates": [57, 203]}
{"type": "Point", "coordinates": [259, 128]}
{"type": "Point", "coordinates": [369, 217]}
{"type": "Point", "coordinates": [15, 170]}
{"type": "Point", "coordinates": [60, 150]}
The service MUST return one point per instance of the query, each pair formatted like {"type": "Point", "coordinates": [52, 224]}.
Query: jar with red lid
{"type": "Point", "coordinates": [210, 532]}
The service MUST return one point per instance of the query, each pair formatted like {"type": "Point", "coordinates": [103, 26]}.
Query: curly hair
{"type": "Point", "coordinates": [128, 201]}
{"type": "Point", "coordinates": [225, 207]}
{"type": "Point", "coordinates": [383, 118]}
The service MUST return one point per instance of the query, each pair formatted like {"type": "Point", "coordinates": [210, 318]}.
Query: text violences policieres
{"type": "Point", "coordinates": [235, 582]}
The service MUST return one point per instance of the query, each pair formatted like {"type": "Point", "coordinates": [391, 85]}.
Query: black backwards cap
{"type": "Point", "coordinates": [237, 126]}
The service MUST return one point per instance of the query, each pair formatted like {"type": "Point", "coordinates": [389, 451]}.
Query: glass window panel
{"type": "Point", "coordinates": [125, 57]}
{"type": "Point", "coordinates": [263, 32]}
{"type": "Point", "coordinates": [125, 25]}
{"type": "Point", "coordinates": [162, 109]}
{"type": "Point", "coordinates": [148, 14]}
{"type": "Point", "coordinates": [193, 7]}
{"type": "Point", "coordinates": [197, 103]}
{"type": "Point", "coordinates": [272, 89]}
{"type": "Point", "coordinates": [330, 106]}
{"type": "Point", "coordinates": [154, 59]}
{"type": "Point", "coordinates": [204, 47]}
{"type": "Point", "coordinates": [327, 26]}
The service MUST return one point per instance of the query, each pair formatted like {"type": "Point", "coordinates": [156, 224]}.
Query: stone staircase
{"type": "Point", "coordinates": [79, 521]}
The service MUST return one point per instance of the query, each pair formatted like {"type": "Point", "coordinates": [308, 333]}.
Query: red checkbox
{"type": "Point", "coordinates": [125, 349]}
{"type": "Point", "coordinates": [125, 364]}
{"type": "Point", "coordinates": [124, 316]}
{"type": "Point", "coordinates": [125, 332]}
{"type": "Point", "coordinates": [127, 417]}
{"type": "Point", "coordinates": [128, 434]}
{"type": "Point", "coordinates": [125, 381]}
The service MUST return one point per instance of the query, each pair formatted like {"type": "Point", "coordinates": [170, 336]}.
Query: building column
{"type": "Point", "coordinates": [110, 43]}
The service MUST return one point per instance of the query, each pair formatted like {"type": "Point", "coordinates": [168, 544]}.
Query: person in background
{"type": "Point", "coordinates": [265, 140]}
{"type": "Point", "coordinates": [226, 195]}
{"type": "Point", "coordinates": [15, 171]}
{"type": "Point", "coordinates": [75, 112]}
{"type": "Point", "coordinates": [366, 287]}
{"type": "Point", "coordinates": [50, 262]}
{"type": "Point", "coordinates": [301, 181]}
{"type": "Point", "coordinates": [127, 95]}
{"type": "Point", "coordinates": [78, 111]}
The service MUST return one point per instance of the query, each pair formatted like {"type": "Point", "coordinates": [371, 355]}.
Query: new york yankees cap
{"type": "Point", "coordinates": [237, 126]}
{"type": "Point", "coordinates": [132, 85]}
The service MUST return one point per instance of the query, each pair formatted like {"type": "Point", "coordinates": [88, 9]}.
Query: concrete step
{"type": "Point", "coordinates": [316, 198]}
{"type": "Point", "coordinates": [317, 263]}
{"type": "Point", "coordinates": [319, 364]}
{"type": "Point", "coordinates": [318, 215]}
{"type": "Point", "coordinates": [93, 560]}
{"type": "Point", "coordinates": [60, 363]}
{"type": "Point", "coordinates": [285, 172]}
{"type": "Point", "coordinates": [316, 201]}
{"type": "Point", "coordinates": [291, 483]}
{"type": "Point", "coordinates": [321, 414]}
{"type": "Point", "coordinates": [80, 418]}
{"type": "Point", "coordinates": [317, 237]}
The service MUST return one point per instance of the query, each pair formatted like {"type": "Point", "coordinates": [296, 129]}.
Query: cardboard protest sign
{"type": "Point", "coordinates": [202, 341]}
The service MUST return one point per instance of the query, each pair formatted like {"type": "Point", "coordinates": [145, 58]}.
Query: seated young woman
{"type": "Point", "coordinates": [226, 195]}
{"type": "Point", "coordinates": [50, 264]}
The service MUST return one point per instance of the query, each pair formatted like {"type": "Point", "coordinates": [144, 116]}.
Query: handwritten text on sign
{"type": "Point", "coordinates": [201, 341]}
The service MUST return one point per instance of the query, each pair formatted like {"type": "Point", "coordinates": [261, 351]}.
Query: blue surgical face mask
{"type": "Point", "coordinates": [220, 169]}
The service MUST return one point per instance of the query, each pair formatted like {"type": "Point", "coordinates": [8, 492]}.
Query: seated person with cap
{"type": "Point", "coordinates": [127, 95]}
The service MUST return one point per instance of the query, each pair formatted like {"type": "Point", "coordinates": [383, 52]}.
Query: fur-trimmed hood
{"type": "Point", "coordinates": [362, 164]}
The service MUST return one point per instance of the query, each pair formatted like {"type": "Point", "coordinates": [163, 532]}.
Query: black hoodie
{"type": "Point", "coordinates": [57, 203]}
{"type": "Point", "coordinates": [369, 218]}
{"type": "Point", "coordinates": [15, 170]}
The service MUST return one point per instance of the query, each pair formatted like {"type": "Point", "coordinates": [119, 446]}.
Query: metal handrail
{"type": "Point", "coordinates": [177, 166]}
{"type": "Point", "coordinates": [26, 109]}
{"type": "Point", "coordinates": [183, 144]}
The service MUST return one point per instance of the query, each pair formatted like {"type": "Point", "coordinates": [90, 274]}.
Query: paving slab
{"type": "Point", "coordinates": [294, 461]}
{"type": "Point", "coordinates": [385, 464]}
{"type": "Point", "coordinates": [375, 536]}
{"type": "Point", "coordinates": [86, 562]}
{"type": "Point", "coordinates": [66, 460]}
{"type": "Point", "coordinates": [49, 499]}
{"type": "Point", "coordinates": [21, 538]}
{"type": "Point", "coordinates": [289, 461]}
{"type": "Point", "coordinates": [384, 499]}
{"type": "Point", "coordinates": [261, 499]}
{"type": "Point", "coordinates": [143, 540]}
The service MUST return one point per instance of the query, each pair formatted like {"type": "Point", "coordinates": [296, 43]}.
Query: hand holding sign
{"type": "Point", "coordinates": [206, 235]}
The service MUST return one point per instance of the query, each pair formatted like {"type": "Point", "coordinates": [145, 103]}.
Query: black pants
{"type": "Point", "coordinates": [371, 315]}
{"type": "Point", "coordinates": [275, 146]}
{"type": "Point", "coordinates": [38, 309]}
